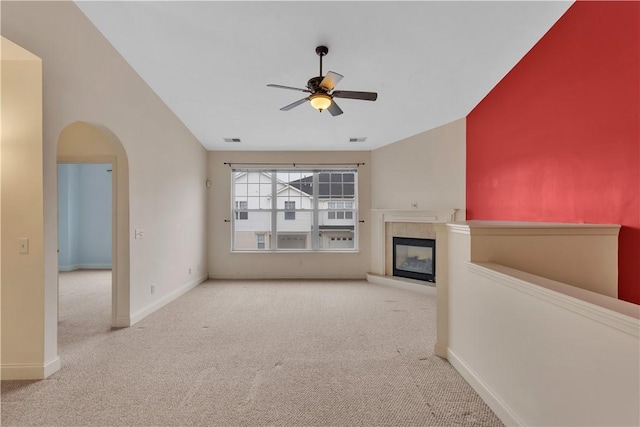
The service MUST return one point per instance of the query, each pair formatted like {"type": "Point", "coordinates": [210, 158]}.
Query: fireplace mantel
{"type": "Point", "coordinates": [414, 215]}
{"type": "Point", "coordinates": [379, 217]}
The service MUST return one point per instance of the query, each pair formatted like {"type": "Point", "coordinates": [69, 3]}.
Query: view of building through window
{"type": "Point", "coordinates": [294, 209]}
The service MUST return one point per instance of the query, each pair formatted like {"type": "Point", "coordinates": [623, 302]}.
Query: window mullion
{"type": "Point", "coordinates": [315, 223]}
{"type": "Point", "coordinates": [233, 211]}
{"type": "Point", "coordinates": [274, 210]}
{"type": "Point", "coordinates": [354, 206]}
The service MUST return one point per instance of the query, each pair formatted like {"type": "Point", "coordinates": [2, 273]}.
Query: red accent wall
{"type": "Point", "coordinates": [558, 139]}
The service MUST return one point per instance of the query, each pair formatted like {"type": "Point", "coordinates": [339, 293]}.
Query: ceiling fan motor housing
{"type": "Point", "coordinates": [314, 84]}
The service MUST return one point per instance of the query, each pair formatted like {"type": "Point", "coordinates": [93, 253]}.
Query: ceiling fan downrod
{"type": "Point", "coordinates": [321, 51]}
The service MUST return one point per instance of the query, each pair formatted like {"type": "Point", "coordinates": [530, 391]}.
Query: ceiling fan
{"type": "Point", "coordinates": [320, 88]}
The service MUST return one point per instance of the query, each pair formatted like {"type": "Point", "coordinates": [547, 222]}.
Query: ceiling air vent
{"type": "Point", "coordinates": [361, 139]}
{"type": "Point", "coordinates": [232, 140]}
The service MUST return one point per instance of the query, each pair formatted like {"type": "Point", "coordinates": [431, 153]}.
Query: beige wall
{"type": "Point", "coordinates": [85, 79]}
{"type": "Point", "coordinates": [22, 274]}
{"type": "Point", "coordinates": [428, 168]}
{"type": "Point", "coordinates": [224, 264]}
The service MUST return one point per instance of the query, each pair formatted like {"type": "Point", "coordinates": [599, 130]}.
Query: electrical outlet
{"type": "Point", "coordinates": [139, 233]}
{"type": "Point", "coordinates": [153, 289]}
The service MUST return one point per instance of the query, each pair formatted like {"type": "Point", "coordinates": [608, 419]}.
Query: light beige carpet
{"type": "Point", "coordinates": [254, 353]}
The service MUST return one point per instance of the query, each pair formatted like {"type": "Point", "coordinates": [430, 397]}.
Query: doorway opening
{"type": "Point", "coordinates": [85, 236]}
{"type": "Point", "coordinates": [89, 152]}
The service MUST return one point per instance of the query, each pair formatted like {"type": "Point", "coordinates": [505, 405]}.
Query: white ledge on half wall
{"type": "Point", "coordinates": [581, 255]}
{"type": "Point", "coordinates": [516, 228]}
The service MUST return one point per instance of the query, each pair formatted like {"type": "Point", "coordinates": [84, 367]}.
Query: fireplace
{"type": "Point", "coordinates": [414, 258]}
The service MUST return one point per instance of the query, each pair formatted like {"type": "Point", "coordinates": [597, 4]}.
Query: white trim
{"type": "Point", "coordinates": [29, 371]}
{"type": "Point", "coordinates": [514, 228]}
{"type": "Point", "coordinates": [440, 351]}
{"type": "Point", "coordinates": [495, 402]}
{"type": "Point", "coordinates": [156, 305]}
{"type": "Point", "coordinates": [52, 367]}
{"type": "Point", "coordinates": [459, 228]}
{"type": "Point", "coordinates": [296, 251]}
{"type": "Point", "coordinates": [122, 322]}
{"type": "Point", "coordinates": [402, 283]}
{"type": "Point", "coordinates": [75, 267]}
{"type": "Point", "coordinates": [606, 310]}
{"type": "Point", "coordinates": [415, 215]}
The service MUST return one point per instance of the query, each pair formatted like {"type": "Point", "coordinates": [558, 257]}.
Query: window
{"type": "Point", "coordinates": [298, 209]}
{"type": "Point", "coordinates": [241, 213]}
{"type": "Point", "coordinates": [290, 213]}
{"type": "Point", "coordinates": [337, 210]}
{"type": "Point", "coordinates": [260, 241]}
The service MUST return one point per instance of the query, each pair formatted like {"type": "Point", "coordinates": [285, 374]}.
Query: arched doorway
{"type": "Point", "coordinates": [83, 142]}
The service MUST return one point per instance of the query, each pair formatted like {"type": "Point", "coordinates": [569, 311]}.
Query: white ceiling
{"type": "Point", "coordinates": [210, 61]}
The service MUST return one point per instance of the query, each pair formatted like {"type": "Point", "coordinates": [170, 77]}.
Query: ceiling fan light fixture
{"type": "Point", "coordinates": [319, 88]}
{"type": "Point", "coordinates": [320, 101]}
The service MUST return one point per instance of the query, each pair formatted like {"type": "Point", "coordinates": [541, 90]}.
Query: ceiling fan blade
{"type": "Point", "coordinates": [366, 96]}
{"type": "Point", "coordinates": [330, 80]}
{"type": "Point", "coordinates": [334, 109]}
{"type": "Point", "coordinates": [294, 104]}
{"type": "Point", "coordinates": [289, 87]}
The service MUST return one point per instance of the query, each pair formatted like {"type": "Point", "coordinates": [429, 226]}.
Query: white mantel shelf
{"type": "Point", "coordinates": [414, 215]}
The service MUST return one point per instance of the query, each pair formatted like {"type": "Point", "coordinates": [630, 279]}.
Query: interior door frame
{"type": "Point", "coordinates": [101, 159]}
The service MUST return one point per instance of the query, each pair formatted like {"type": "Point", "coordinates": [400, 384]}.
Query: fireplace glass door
{"type": "Point", "coordinates": [414, 258]}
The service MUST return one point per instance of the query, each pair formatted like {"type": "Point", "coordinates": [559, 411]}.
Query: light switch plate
{"type": "Point", "coordinates": [23, 245]}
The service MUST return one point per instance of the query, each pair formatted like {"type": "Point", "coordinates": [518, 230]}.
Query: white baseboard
{"type": "Point", "coordinates": [75, 267]}
{"type": "Point", "coordinates": [52, 367]}
{"type": "Point", "coordinates": [156, 305]}
{"type": "Point", "coordinates": [408, 284]}
{"type": "Point", "coordinates": [440, 351]}
{"type": "Point", "coordinates": [29, 371]}
{"type": "Point", "coordinates": [122, 322]}
{"type": "Point", "coordinates": [495, 402]}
